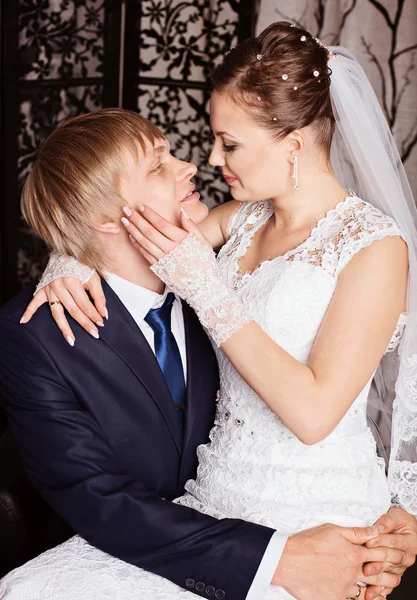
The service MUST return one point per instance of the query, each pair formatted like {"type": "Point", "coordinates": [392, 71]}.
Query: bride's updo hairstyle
{"type": "Point", "coordinates": [282, 80]}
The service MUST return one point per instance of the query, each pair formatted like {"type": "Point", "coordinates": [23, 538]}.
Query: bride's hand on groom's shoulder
{"type": "Point", "coordinates": [70, 294]}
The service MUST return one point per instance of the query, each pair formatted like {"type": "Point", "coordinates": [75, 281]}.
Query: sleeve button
{"type": "Point", "coordinates": [190, 583]}
{"type": "Point", "coordinates": [220, 594]}
{"type": "Point", "coordinates": [200, 586]}
{"type": "Point", "coordinates": [210, 591]}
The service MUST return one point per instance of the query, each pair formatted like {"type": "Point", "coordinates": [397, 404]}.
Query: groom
{"type": "Point", "coordinates": [108, 429]}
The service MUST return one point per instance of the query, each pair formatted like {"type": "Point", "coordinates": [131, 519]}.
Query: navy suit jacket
{"type": "Point", "coordinates": [100, 439]}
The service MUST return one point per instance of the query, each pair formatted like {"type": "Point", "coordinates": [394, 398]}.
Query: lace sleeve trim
{"type": "Point", "coordinates": [192, 272]}
{"type": "Point", "coordinates": [64, 266]}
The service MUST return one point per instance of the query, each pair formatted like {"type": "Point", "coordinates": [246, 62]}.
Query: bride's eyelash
{"type": "Point", "coordinates": [157, 169]}
{"type": "Point", "coordinates": [227, 148]}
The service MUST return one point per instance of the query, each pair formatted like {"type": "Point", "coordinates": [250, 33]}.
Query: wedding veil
{"type": "Point", "coordinates": [365, 159]}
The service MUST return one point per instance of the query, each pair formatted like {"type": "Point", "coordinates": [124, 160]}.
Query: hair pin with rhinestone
{"type": "Point", "coordinates": [320, 43]}
{"type": "Point", "coordinates": [259, 57]}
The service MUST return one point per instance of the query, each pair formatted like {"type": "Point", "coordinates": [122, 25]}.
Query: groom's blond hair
{"type": "Point", "coordinates": [76, 180]}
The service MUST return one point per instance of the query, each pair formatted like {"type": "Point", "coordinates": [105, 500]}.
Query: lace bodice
{"type": "Point", "coordinates": [254, 466]}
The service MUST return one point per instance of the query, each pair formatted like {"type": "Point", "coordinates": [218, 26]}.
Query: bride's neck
{"type": "Point", "coordinates": [319, 192]}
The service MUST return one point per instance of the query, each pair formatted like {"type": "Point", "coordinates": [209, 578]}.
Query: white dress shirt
{"type": "Point", "coordinates": [138, 301]}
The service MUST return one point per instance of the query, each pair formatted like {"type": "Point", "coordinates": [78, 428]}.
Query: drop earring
{"type": "Point", "coordinates": [295, 173]}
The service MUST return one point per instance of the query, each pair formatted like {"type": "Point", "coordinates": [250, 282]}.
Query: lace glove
{"type": "Point", "coordinates": [64, 266]}
{"type": "Point", "coordinates": [191, 271]}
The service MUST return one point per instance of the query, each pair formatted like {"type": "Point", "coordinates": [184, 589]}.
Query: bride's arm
{"type": "Point", "coordinates": [65, 280]}
{"type": "Point", "coordinates": [312, 398]}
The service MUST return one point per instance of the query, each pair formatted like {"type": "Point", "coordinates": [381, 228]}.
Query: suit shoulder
{"type": "Point", "coordinates": [15, 307]}
{"type": "Point", "coordinates": [13, 310]}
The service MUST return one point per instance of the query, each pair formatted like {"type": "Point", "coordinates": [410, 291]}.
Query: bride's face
{"type": "Point", "coordinates": [255, 166]}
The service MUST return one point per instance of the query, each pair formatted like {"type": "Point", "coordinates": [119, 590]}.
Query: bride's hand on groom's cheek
{"type": "Point", "coordinates": [154, 236]}
{"type": "Point", "coordinates": [69, 293]}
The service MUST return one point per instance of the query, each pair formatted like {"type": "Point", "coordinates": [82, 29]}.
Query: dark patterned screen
{"type": "Point", "coordinates": [63, 58]}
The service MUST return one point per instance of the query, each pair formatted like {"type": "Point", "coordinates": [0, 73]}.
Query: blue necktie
{"type": "Point", "coordinates": [167, 352]}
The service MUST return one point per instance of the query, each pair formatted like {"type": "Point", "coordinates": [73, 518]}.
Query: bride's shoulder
{"type": "Point", "coordinates": [357, 217]}
{"type": "Point", "coordinates": [356, 225]}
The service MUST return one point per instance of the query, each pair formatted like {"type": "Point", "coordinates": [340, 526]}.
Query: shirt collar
{"type": "Point", "coordinates": [137, 299]}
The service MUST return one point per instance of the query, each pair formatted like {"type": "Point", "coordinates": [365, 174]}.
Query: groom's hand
{"type": "Point", "coordinates": [327, 561]}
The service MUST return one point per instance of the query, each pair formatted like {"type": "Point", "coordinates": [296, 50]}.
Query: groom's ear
{"type": "Point", "coordinates": [109, 227]}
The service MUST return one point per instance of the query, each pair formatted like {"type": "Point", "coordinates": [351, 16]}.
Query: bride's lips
{"type": "Point", "coordinates": [229, 180]}
{"type": "Point", "coordinates": [191, 195]}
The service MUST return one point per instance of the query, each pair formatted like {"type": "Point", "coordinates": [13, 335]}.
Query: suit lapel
{"type": "Point", "coordinates": [125, 338]}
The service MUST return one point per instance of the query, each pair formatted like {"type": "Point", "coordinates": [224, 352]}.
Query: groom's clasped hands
{"type": "Point", "coordinates": [329, 560]}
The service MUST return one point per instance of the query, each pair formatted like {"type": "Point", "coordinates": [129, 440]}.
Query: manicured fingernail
{"type": "Point", "coordinates": [106, 312]}
{"type": "Point", "coordinates": [94, 334]}
{"type": "Point", "coordinates": [185, 213]}
{"type": "Point", "coordinates": [23, 320]}
{"type": "Point", "coordinates": [373, 530]}
{"type": "Point", "coordinates": [132, 239]}
{"type": "Point", "coordinates": [127, 211]}
{"type": "Point", "coordinates": [125, 222]}
{"type": "Point", "coordinates": [381, 528]}
{"type": "Point", "coordinates": [70, 340]}
{"type": "Point", "coordinates": [141, 207]}
{"type": "Point", "coordinates": [100, 323]}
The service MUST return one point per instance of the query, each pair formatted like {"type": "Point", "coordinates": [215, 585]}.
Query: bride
{"type": "Point", "coordinates": [305, 303]}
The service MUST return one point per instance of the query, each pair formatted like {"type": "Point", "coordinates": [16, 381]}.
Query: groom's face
{"type": "Point", "coordinates": [163, 182]}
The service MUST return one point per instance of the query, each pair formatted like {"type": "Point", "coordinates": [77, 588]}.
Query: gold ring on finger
{"type": "Point", "coordinates": [358, 594]}
{"type": "Point", "coordinates": [55, 302]}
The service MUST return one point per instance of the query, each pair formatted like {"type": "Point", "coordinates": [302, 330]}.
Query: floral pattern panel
{"type": "Point", "coordinates": [61, 38]}
{"type": "Point", "coordinates": [184, 39]}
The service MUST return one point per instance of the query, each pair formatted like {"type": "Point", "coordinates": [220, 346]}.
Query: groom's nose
{"type": "Point", "coordinates": [186, 171]}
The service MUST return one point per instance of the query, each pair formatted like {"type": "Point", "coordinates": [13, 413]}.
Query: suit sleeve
{"type": "Point", "coordinates": [70, 461]}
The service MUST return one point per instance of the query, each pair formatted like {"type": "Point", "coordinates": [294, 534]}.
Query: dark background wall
{"type": "Point", "coordinates": [60, 58]}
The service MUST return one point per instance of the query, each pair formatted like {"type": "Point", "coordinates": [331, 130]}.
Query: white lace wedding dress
{"type": "Point", "coordinates": [254, 468]}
